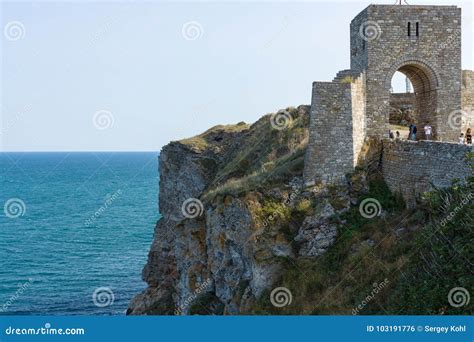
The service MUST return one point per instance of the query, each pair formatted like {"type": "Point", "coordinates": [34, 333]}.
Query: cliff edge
{"type": "Point", "coordinates": [237, 222]}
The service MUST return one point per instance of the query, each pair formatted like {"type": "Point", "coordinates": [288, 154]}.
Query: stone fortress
{"type": "Point", "coordinates": [423, 43]}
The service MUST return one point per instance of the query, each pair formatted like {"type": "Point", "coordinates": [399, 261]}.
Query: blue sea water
{"type": "Point", "coordinates": [75, 224]}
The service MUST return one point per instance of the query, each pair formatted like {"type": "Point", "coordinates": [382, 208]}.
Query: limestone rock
{"type": "Point", "coordinates": [317, 234]}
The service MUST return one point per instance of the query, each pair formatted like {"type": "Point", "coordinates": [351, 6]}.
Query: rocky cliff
{"type": "Point", "coordinates": [237, 222]}
{"type": "Point", "coordinates": [228, 199]}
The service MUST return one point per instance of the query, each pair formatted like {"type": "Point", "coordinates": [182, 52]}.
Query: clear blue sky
{"type": "Point", "coordinates": [131, 60]}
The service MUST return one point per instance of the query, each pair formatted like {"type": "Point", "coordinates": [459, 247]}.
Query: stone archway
{"type": "Point", "coordinates": [425, 83]}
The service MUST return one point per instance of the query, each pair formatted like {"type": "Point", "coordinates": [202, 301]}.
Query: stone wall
{"type": "Point", "coordinates": [330, 154]}
{"type": "Point", "coordinates": [402, 99]}
{"type": "Point", "coordinates": [356, 105]}
{"type": "Point", "coordinates": [467, 99]}
{"type": "Point", "coordinates": [431, 60]}
{"type": "Point", "coordinates": [359, 57]}
{"type": "Point", "coordinates": [337, 127]}
{"type": "Point", "coordinates": [358, 97]}
{"type": "Point", "coordinates": [411, 167]}
{"type": "Point", "coordinates": [401, 108]}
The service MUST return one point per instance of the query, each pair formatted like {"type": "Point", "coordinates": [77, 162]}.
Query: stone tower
{"type": "Point", "coordinates": [422, 42]}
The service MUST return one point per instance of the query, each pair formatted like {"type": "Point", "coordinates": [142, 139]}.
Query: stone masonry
{"type": "Point", "coordinates": [422, 42]}
{"type": "Point", "coordinates": [411, 168]}
{"type": "Point", "coordinates": [401, 108]}
{"type": "Point", "coordinates": [467, 99]}
{"type": "Point", "coordinates": [337, 110]}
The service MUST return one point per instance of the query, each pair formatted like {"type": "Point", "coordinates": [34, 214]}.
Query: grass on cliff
{"type": "Point", "coordinates": [401, 262]}
{"type": "Point", "coordinates": [266, 155]}
{"type": "Point", "coordinates": [404, 261]}
{"type": "Point", "coordinates": [275, 172]}
{"type": "Point", "coordinates": [202, 141]}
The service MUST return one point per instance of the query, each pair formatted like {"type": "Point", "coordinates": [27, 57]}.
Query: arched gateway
{"type": "Point", "coordinates": [422, 42]}
{"type": "Point", "coordinates": [426, 83]}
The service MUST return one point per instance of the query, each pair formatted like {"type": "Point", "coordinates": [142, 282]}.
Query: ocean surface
{"type": "Point", "coordinates": [75, 230]}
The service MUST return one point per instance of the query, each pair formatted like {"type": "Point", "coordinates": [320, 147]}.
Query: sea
{"type": "Point", "coordinates": [75, 230]}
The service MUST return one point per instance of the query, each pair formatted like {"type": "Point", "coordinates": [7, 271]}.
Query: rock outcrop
{"type": "Point", "coordinates": [248, 213]}
{"type": "Point", "coordinates": [238, 221]}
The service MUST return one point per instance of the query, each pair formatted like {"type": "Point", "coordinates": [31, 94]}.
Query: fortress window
{"type": "Point", "coordinates": [417, 29]}
{"type": "Point", "coordinates": [409, 29]}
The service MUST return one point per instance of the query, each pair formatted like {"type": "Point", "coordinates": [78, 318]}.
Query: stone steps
{"type": "Point", "coordinates": [341, 75]}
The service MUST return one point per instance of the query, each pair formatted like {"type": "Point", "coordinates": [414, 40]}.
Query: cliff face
{"type": "Point", "coordinates": [237, 223]}
{"type": "Point", "coordinates": [250, 215]}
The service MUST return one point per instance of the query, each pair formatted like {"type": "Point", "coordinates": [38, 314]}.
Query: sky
{"type": "Point", "coordinates": [132, 76]}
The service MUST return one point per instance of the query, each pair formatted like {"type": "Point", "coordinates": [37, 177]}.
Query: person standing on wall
{"type": "Point", "coordinates": [413, 130]}
{"type": "Point", "coordinates": [428, 131]}
{"type": "Point", "coordinates": [468, 137]}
